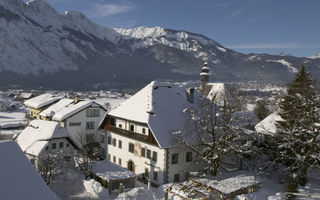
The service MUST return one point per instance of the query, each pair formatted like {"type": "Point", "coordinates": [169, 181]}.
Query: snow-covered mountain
{"type": "Point", "coordinates": [40, 46]}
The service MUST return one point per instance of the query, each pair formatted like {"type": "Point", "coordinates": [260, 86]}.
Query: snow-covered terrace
{"type": "Point", "coordinates": [110, 171]}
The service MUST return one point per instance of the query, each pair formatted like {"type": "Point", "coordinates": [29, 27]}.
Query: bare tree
{"type": "Point", "coordinates": [85, 155]}
{"type": "Point", "coordinates": [211, 132]}
{"type": "Point", "coordinates": [50, 166]}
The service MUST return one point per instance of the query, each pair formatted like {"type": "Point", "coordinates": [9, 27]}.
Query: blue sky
{"type": "Point", "coordinates": [259, 26]}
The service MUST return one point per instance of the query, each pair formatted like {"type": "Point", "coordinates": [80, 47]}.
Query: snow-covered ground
{"type": "Point", "coordinates": [73, 186]}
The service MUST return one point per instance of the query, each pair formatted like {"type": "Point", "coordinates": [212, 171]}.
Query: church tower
{"type": "Point", "coordinates": [204, 76]}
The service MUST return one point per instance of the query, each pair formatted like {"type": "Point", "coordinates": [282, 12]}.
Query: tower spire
{"type": "Point", "coordinates": [204, 76]}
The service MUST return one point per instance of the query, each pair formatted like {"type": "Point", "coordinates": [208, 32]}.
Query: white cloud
{"type": "Point", "coordinates": [273, 46]}
{"type": "Point", "coordinates": [104, 10]}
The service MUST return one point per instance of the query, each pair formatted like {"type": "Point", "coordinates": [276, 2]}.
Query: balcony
{"type": "Point", "coordinates": [133, 135]}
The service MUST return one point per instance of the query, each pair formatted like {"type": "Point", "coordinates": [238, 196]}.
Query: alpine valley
{"type": "Point", "coordinates": [41, 47]}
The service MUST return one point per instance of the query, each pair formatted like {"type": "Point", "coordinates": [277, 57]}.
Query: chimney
{"type": "Point", "coordinates": [190, 94]}
{"type": "Point", "coordinates": [76, 99]}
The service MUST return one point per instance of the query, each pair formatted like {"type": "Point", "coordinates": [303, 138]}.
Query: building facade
{"type": "Point", "coordinates": [139, 134]}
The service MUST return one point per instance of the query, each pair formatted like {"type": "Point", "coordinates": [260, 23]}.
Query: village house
{"type": "Point", "coordinates": [140, 133]}
{"type": "Point", "coordinates": [41, 138]}
{"type": "Point", "coordinates": [39, 103]}
{"type": "Point", "coordinates": [80, 117]}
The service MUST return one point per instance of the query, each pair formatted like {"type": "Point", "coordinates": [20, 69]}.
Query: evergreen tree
{"type": "Point", "coordinates": [298, 144]}
{"type": "Point", "coordinates": [261, 110]}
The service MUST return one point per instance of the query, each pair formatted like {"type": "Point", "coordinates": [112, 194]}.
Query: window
{"type": "Point", "coordinates": [146, 172]}
{"type": "Point", "coordinates": [143, 130]}
{"type": "Point", "coordinates": [143, 152]}
{"type": "Point", "coordinates": [148, 154]}
{"type": "Point", "coordinates": [75, 124]}
{"type": "Point", "coordinates": [67, 144]}
{"type": "Point", "coordinates": [188, 156]}
{"type": "Point", "coordinates": [89, 138]}
{"type": "Point", "coordinates": [154, 156]}
{"type": "Point", "coordinates": [120, 144]}
{"type": "Point", "coordinates": [54, 146]}
{"type": "Point", "coordinates": [112, 121]}
{"type": "Point", "coordinates": [120, 161]}
{"type": "Point", "coordinates": [155, 175]}
{"type": "Point", "coordinates": [109, 157]}
{"type": "Point", "coordinates": [93, 112]}
{"type": "Point", "coordinates": [174, 158]}
{"type": "Point", "coordinates": [131, 147]}
{"type": "Point", "coordinates": [120, 125]}
{"type": "Point", "coordinates": [114, 159]}
{"type": "Point", "coordinates": [109, 139]}
{"type": "Point", "coordinates": [176, 178]}
{"type": "Point", "coordinates": [114, 142]}
{"type": "Point", "coordinates": [132, 127]}
{"type": "Point", "coordinates": [61, 145]}
{"type": "Point", "coordinates": [101, 138]}
{"type": "Point", "coordinates": [47, 148]}
{"type": "Point", "coordinates": [89, 125]}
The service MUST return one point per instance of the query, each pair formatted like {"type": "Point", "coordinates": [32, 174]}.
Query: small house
{"type": "Point", "coordinates": [39, 103]}
{"type": "Point", "coordinates": [41, 137]}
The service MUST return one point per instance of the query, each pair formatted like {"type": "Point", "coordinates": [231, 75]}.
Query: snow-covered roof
{"type": "Point", "coordinates": [109, 103]}
{"type": "Point", "coordinates": [42, 100]}
{"type": "Point", "coordinates": [18, 178]}
{"type": "Point", "coordinates": [231, 184]}
{"type": "Point", "coordinates": [268, 125]}
{"type": "Point", "coordinates": [5, 102]}
{"type": "Point", "coordinates": [110, 171]}
{"type": "Point", "coordinates": [73, 108]}
{"type": "Point", "coordinates": [53, 109]}
{"type": "Point", "coordinates": [12, 119]}
{"type": "Point", "coordinates": [217, 91]}
{"type": "Point", "coordinates": [32, 139]}
{"type": "Point", "coordinates": [25, 95]}
{"type": "Point", "coordinates": [161, 106]}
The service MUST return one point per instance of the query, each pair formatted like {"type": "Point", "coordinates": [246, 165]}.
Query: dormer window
{"type": "Point", "coordinates": [131, 127]}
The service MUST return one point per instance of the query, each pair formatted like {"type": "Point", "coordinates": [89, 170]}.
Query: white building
{"type": "Point", "coordinates": [46, 137]}
{"type": "Point", "coordinates": [140, 133]}
{"type": "Point", "coordinates": [19, 179]}
{"type": "Point", "coordinates": [81, 118]}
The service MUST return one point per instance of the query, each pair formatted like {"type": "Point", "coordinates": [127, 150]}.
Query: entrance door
{"type": "Point", "coordinates": [131, 165]}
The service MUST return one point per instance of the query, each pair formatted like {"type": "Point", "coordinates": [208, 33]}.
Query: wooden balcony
{"type": "Point", "coordinates": [149, 139]}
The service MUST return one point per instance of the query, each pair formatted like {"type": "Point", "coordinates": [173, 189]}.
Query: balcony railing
{"type": "Point", "coordinates": [133, 135]}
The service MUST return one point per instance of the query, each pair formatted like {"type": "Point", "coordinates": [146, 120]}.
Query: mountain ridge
{"type": "Point", "coordinates": [68, 50]}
